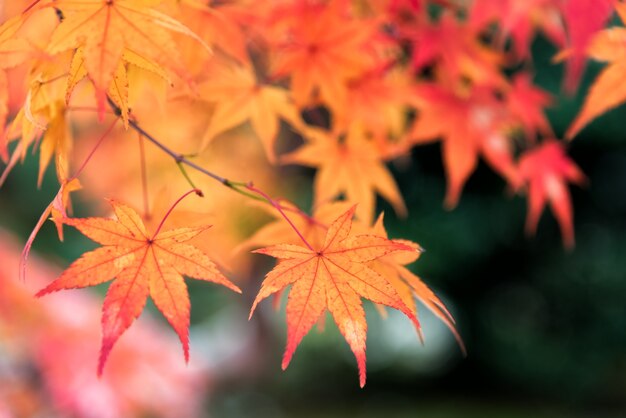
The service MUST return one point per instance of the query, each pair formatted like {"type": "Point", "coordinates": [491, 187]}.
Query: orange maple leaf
{"type": "Point", "coordinates": [526, 103]}
{"type": "Point", "coordinates": [13, 51]}
{"type": "Point", "coordinates": [143, 264]}
{"type": "Point", "coordinates": [352, 166]}
{"type": "Point", "coordinates": [219, 24]}
{"type": "Point", "coordinates": [106, 29]}
{"type": "Point", "coordinates": [378, 100]}
{"type": "Point", "coordinates": [323, 47]}
{"type": "Point", "coordinates": [240, 97]}
{"type": "Point", "coordinates": [546, 170]}
{"type": "Point", "coordinates": [608, 89]}
{"type": "Point", "coordinates": [333, 276]}
{"type": "Point", "coordinates": [43, 123]}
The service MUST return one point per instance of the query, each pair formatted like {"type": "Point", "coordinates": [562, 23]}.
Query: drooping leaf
{"type": "Point", "coordinates": [546, 170]}
{"type": "Point", "coordinates": [608, 90]}
{"type": "Point", "coordinates": [42, 122]}
{"type": "Point", "coordinates": [142, 265]}
{"type": "Point", "coordinates": [408, 285]}
{"type": "Point", "coordinates": [13, 51]}
{"type": "Point", "coordinates": [333, 277]}
{"type": "Point", "coordinates": [117, 90]}
{"type": "Point", "coordinates": [57, 210]}
{"type": "Point", "coordinates": [583, 19]}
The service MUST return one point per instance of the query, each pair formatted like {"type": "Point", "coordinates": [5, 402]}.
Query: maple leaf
{"type": "Point", "coordinates": [453, 47]}
{"type": "Point", "coordinates": [239, 97]}
{"type": "Point", "coordinates": [350, 165]}
{"type": "Point", "coordinates": [106, 29]}
{"type": "Point", "coordinates": [608, 90]}
{"type": "Point", "coordinates": [333, 276]}
{"type": "Point", "coordinates": [218, 24]}
{"type": "Point", "coordinates": [468, 124]}
{"type": "Point", "coordinates": [519, 20]}
{"type": "Point", "coordinates": [13, 51]}
{"type": "Point", "coordinates": [57, 210]}
{"type": "Point", "coordinates": [142, 264]}
{"type": "Point", "coordinates": [323, 47]}
{"type": "Point", "coordinates": [42, 122]}
{"type": "Point", "coordinates": [583, 19]}
{"type": "Point", "coordinates": [526, 102]}
{"type": "Point", "coordinates": [547, 169]}
{"type": "Point", "coordinates": [378, 100]}
{"type": "Point", "coordinates": [117, 90]}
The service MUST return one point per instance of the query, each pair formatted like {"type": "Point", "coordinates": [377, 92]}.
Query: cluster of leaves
{"type": "Point", "coordinates": [358, 82]}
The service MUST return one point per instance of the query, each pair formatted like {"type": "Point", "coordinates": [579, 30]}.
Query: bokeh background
{"type": "Point", "coordinates": [545, 328]}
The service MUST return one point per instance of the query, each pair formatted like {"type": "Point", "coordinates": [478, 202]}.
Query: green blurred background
{"type": "Point", "coordinates": [545, 328]}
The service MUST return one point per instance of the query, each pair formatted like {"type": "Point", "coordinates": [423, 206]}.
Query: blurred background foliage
{"type": "Point", "coordinates": [545, 328]}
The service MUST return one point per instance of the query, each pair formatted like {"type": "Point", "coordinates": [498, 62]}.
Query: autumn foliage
{"type": "Point", "coordinates": [147, 102]}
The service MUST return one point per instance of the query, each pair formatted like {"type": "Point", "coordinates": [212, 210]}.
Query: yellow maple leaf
{"type": "Point", "coordinates": [106, 29]}
{"type": "Point", "coordinates": [349, 165]}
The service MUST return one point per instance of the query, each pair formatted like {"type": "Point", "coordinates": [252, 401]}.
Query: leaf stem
{"type": "Point", "coordinates": [279, 208]}
{"type": "Point", "coordinates": [95, 148]}
{"type": "Point", "coordinates": [144, 177]}
{"type": "Point", "coordinates": [198, 192]}
{"type": "Point", "coordinates": [185, 174]}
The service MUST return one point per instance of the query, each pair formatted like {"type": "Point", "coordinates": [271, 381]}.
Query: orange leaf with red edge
{"type": "Point", "coordinates": [546, 170]}
{"type": "Point", "coordinates": [333, 277]}
{"type": "Point", "coordinates": [608, 90]}
{"type": "Point", "coordinates": [142, 265]}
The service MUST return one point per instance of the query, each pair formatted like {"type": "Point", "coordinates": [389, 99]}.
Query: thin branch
{"type": "Point", "coordinates": [245, 189]}
{"type": "Point", "coordinates": [278, 207]}
{"type": "Point", "coordinates": [93, 151]}
{"type": "Point", "coordinates": [144, 177]}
